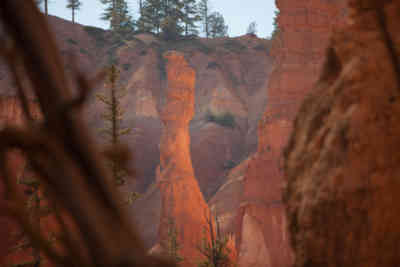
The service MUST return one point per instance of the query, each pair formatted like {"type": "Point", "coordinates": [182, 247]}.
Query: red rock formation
{"type": "Point", "coordinates": [305, 27]}
{"type": "Point", "coordinates": [232, 74]}
{"type": "Point", "coordinates": [232, 77]}
{"type": "Point", "coordinates": [342, 161]}
{"type": "Point", "coordinates": [181, 199]}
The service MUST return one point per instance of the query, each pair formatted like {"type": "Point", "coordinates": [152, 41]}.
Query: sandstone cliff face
{"type": "Point", "coordinates": [181, 199]}
{"type": "Point", "coordinates": [305, 27]}
{"type": "Point", "coordinates": [342, 161]}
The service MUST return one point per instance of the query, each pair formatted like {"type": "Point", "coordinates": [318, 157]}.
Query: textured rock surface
{"type": "Point", "coordinates": [305, 27]}
{"type": "Point", "coordinates": [181, 199]}
{"type": "Point", "coordinates": [342, 161]}
{"type": "Point", "coordinates": [226, 201]}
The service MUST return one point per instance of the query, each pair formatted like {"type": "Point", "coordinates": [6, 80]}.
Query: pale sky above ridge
{"type": "Point", "coordinates": [238, 14]}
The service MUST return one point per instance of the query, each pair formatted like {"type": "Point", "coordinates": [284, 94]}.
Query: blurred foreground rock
{"type": "Point", "coordinates": [342, 163]}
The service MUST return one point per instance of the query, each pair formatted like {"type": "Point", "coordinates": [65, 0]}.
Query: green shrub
{"type": "Point", "coordinates": [72, 41]}
{"type": "Point", "coordinates": [234, 46]}
{"type": "Point", "coordinates": [214, 246]}
{"type": "Point", "coordinates": [126, 66]}
{"type": "Point", "coordinates": [212, 65]}
{"type": "Point", "coordinates": [83, 51]}
{"type": "Point", "coordinates": [230, 164]}
{"type": "Point", "coordinates": [99, 35]}
{"type": "Point", "coordinates": [225, 120]}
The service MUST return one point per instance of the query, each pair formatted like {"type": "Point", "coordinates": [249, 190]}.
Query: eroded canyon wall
{"type": "Point", "coordinates": [304, 30]}
{"type": "Point", "coordinates": [342, 161]}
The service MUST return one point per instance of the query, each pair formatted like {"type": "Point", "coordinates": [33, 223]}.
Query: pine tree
{"type": "Point", "coordinates": [141, 7]}
{"type": "Point", "coordinates": [191, 16]}
{"type": "Point", "coordinates": [204, 10]}
{"type": "Point", "coordinates": [150, 20]}
{"type": "Point", "coordinates": [171, 245]}
{"type": "Point", "coordinates": [276, 25]}
{"type": "Point", "coordinates": [214, 248]}
{"type": "Point", "coordinates": [113, 118]}
{"type": "Point", "coordinates": [46, 7]}
{"type": "Point", "coordinates": [170, 16]}
{"type": "Point", "coordinates": [217, 25]}
{"type": "Point", "coordinates": [74, 5]}
{"type": "Point", "coordinates": [252, 29]}
{"type": "Point", "coordinates": [139, 22]}
{"type": "Point", "coordinates": [40, 2]}
{"type": "Point", "coordinates": [126, 23]}
{"type": "Point", "coordinates": [117, 13]}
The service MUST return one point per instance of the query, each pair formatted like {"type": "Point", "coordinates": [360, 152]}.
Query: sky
{"type": "Point", "coordinates": [238, 14]}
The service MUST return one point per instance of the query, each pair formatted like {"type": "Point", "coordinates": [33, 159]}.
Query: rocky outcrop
{"type": "Point", "coordinates": [304, 30]}
{"type": "Point", "coordinates": [342, 161]}
{"type": "Point", "coordinates": [181, 199]}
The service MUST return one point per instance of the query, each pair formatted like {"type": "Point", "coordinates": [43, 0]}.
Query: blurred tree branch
{"type": "Point", "coordinates": [62, 153]}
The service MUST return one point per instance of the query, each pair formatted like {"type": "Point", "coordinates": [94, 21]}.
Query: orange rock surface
{"type": "Point", "coordinates": [181, 199]}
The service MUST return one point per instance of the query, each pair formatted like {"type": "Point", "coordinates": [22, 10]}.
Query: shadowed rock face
{"type": "Point", "coordinates": [181, 199]}
{"type": "Point", "coordinates": [305, 27]}
{"type": "Point", "coordinates": [342, 163]}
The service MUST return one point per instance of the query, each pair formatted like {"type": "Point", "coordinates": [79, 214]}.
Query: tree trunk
{"type": "Point", "coordinates": [113, 15]}
{"type": "Point", "coordinates": [46, 11]}
{"type": "Point", "coordinates": [73, 15]}
{"type": "Point", "coordinates": [206, 20]}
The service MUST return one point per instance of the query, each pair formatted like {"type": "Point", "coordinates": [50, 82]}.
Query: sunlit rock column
{"type": "Point", "coordinates": [182, 200]}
